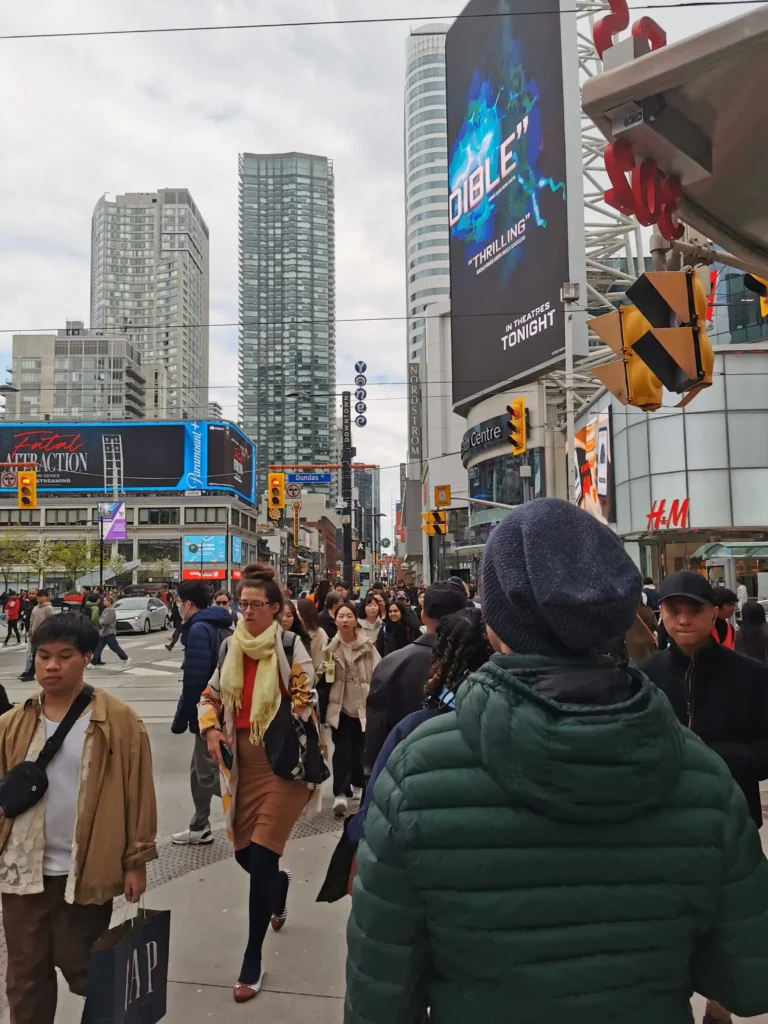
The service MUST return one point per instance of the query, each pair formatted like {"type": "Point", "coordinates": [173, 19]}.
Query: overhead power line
{"type": "Point", "coordinates": [316, 23]}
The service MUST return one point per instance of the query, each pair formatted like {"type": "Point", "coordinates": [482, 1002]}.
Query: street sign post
{"type": "Point", "coordinates": [296, 523]}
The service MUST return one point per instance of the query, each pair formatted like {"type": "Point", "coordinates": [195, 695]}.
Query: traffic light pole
{"type": "Point", "coordinates": [347, 454]}
{"type": "Point", "coordinates": [569, 294]}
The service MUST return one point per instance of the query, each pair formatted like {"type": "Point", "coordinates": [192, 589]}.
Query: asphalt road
{"type": "Point", "coordinates": [151, 684]}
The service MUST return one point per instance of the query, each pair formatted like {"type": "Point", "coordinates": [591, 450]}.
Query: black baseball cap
{"type": "Point", "coordinates": [443, 599]}
{"type": "Point", "coordinates": [691, 586]}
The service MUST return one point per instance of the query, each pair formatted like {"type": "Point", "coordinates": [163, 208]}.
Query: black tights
{"type": "Point", "coordinates": [268, 892]}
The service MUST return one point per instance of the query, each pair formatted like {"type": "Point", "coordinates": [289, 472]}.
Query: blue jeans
{"type": "Point", "coordinates": [110, 642]}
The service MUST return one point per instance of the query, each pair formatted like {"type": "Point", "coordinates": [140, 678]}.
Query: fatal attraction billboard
{"type": "Point", "coordinates": [142, 456]}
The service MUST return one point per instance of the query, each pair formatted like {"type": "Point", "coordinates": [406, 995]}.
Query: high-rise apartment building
{"type": "Point", "coordinates": [76, 374]}
{"type": "Point", "coordinates": [287, 307]}
{"type": "Point", "coordinates": [426, 179]}
{"type": "Point", "coordinates": [367, 484]}
{"type": "Point", "coordinates": [149, 284]}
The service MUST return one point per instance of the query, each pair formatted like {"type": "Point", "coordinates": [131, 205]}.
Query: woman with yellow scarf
{"type": "Point", "coordinates": [248, 714]}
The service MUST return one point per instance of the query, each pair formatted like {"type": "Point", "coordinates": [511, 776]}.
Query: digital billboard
{"type": "Point", "coordinates": [139, 456]}
{"type": "Point", "coordinates": [210, 549]}
{"type": "Point", "coordinates": [594, 479]}
{"type": "Point", "coordinates": [113, 521]}
{"type": "Point", "coordinates": [509, 193]}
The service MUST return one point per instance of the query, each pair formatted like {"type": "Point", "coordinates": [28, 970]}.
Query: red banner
{"type": "Point", "coordinates": [207, 574]}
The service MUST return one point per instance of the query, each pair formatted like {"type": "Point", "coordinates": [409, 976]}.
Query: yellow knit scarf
{"type": "Point", "coordinates": [266, 689]}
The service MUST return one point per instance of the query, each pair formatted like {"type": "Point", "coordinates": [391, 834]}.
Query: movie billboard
{"type": "Point", "coordinates": [508, 194]}
{"type": "Point", "coordinates": [594, 478]}
{"type": "Point", "coordinates": [133, 456]}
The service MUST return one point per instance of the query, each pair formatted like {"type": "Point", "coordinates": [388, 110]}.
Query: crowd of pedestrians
{"type": "Point", "coordinates": [550, 802]}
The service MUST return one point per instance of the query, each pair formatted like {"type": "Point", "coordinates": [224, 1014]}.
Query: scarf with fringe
{"type": "Point", "coordinates": [266, 688]}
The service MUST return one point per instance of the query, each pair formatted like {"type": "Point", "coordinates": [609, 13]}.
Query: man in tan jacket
{"type": "Point", "coordinates": [88, 840]}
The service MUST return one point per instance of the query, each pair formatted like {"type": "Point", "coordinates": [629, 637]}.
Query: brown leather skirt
{"type": "Point", "coordinates": [266, 807]}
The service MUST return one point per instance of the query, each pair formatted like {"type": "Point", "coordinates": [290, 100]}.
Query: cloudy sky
{"type": "Point", "coordinates": [86, 116]}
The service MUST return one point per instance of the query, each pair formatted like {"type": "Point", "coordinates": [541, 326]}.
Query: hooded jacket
{"type": "Point", "coordinates": [201, 640]}
{"type": "Point", "coordinates": [723, 697]}
{"type": "Point", "coordinates": [559, 848]}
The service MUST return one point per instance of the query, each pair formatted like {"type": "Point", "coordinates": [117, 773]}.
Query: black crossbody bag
{"type": "Point", "coordinates": [26, 783]}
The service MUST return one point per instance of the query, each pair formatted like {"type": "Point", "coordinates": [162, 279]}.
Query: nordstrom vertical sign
{"type": "Point", "coordinates": [414, 413]}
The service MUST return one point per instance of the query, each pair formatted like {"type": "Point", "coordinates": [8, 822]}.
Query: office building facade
{"type": "Point", "coordinates": [150, 285]}
{"type": "Point", "coordinates": [287, 278]}
{"type": "Point", "coordinates": [75, 374]}
{"type": "Point", "coordinates": [426, 179]}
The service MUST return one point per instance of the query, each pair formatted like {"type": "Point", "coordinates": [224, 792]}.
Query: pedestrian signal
{"type": "Point", "coordinates": [434, 523]}
{"type": "Point", "coordinates": [26, 489]}
{"type": "Point", "coordinates": [517, 426]}
{"type": "Point", "coordinates": [661, 339]}
{"type": "Point", "coordinates": [276, 498]}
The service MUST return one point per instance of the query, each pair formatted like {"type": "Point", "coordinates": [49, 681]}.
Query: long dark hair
{"type": "Point", "coordinates": [408, 622]}
{"type": "Point", "coordinates": [370, 598]}
{"type": "Point", "coordinates": [298, 626]}
{"type": "Point", "coordinates": [321, 592]}
{"type": "Point", "coordinates": [462, 647]}
{"type": "Point", "coordinates": [752, 638]}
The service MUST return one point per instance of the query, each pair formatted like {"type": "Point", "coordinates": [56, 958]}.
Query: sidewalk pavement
{"type": "Point", "coordinates": [304, 962]}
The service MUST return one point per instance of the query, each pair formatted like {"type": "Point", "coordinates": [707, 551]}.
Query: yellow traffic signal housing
{"type": "Point", "coordinates": [517, 426]}
{"type": "Point", "coordinates": [661, 338]}
{"type": "Point", "coordinates": [26, 488]}
{"type": "Point", "coordinates": [434, 523]}
{"type": "Point", "coordinates": [759, 286]}
{"type": "Point", "coordinates": [276, 496]}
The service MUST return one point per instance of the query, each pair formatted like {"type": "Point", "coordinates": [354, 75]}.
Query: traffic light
{"type": "Point", "coordinates": [517, 426]}
{"type": "Point", "coordinates": [760, 287]}
{"type": "Point", "coordinates": [661, 339]}
{"type": "Point", "coordinates": [26, 488]}
{"type": "Point", "coordinates": [434, 523]}
{"type": "Point", "coordinates": [276, 498]}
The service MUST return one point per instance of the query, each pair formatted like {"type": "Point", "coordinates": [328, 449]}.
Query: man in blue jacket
{"type": "Point", "coordinates": [205, 626]}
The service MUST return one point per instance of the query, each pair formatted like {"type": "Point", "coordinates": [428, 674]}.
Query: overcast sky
{"type": "Point", "coordinates": [81, 117]}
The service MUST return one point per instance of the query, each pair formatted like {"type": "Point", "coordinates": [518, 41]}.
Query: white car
{"type": "Point", "coordinates": [140, 614]}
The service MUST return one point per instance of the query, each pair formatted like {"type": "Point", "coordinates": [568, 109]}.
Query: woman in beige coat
{"type": "Point", "coordinates": [352, 658]}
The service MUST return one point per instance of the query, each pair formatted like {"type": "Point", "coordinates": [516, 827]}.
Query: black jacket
{"type": "Point", "coordinates": [722, 697]}
{"type": "Point", "coordinates": [397, 690]}
{"type": "Point", "coordinates": [327, 622]}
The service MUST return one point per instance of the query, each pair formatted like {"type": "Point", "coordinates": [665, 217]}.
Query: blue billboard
{"type": "Point", "coordinates": [191, 455]}
{"type": "Point", "coordinates": [237, 550]}
{"type": "Point", "coordinates": [210, 549]}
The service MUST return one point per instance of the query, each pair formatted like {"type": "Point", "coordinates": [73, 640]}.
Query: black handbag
{"type": "Point", "coordinates": [26, 783]}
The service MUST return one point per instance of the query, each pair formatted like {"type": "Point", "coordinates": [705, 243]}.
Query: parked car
{"type": "Point", "coordinates": [140, 615]}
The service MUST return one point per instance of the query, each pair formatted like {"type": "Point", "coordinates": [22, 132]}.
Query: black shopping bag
{"type": "Point", "coordinates": [128, 972]}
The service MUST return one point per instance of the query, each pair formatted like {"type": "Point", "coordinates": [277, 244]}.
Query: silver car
{"type": "Point", "coordinates": [140, 614]}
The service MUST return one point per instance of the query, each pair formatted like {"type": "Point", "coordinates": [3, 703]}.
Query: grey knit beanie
{"type": "Point", "coordinates": [556, 582]}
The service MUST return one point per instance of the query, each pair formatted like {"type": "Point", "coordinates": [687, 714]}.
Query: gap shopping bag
{"type": "Point", "coordinates": [128, 972]}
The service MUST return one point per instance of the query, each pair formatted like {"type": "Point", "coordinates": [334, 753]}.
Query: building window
{"type": "Point", "coordinates": [205, 515]}
{"type": "Point", "coordinates": [159, 517]}
{"type": "Point", "coordinates": [157, 550]}
{"type": "Point", "coordinates": [68, 517]}
{"type": "Point", "coordinates": [19, 517]}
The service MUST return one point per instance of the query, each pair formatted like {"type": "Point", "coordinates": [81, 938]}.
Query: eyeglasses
{"type": "Point", "coordinates": [224, 602]}
{"type": "Point", "coordinates": [256, 605]}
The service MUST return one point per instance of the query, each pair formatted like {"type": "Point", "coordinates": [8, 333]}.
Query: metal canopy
{"type": "Point", "coordinates": [708, 130]}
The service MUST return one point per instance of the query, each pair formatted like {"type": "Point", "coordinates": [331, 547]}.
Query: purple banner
{"type": "Point", "coordinates": [113, 522]}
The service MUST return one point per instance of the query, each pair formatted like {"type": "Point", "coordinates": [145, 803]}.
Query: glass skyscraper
{"type": "Point", "coordinates": [426, 178]}
{"type": "Point", "coordinates": [287, 308]}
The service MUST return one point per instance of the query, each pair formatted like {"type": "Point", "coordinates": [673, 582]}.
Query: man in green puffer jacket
{"type": "Point", "coordinates": [559, 849]}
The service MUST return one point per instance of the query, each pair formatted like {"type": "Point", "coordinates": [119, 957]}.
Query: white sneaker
{"type": "Point", "coordinates": [127, 661]}
{"type": "Point", "coordinates": [340, 806]}
{"type": "Point", "coordinates": [357, 792]}
{"type": "Point", "coordinates": [190, 838]}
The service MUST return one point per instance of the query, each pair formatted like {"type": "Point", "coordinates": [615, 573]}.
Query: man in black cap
{"type": "Point", "coordinates": [720, 695]}
{"type": "Point", "coordinates": [397, 684]}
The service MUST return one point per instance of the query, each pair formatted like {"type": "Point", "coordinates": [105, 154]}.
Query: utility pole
{"type": "Point", "coordinates": [347, 454]}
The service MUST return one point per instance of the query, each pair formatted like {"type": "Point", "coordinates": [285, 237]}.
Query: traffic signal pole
{"type": "Point", "coordinates": [347, 454]}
